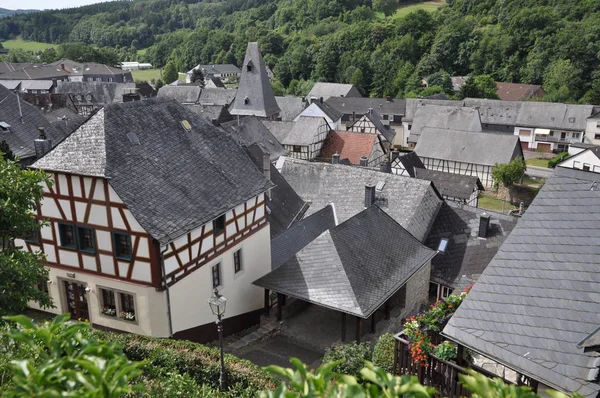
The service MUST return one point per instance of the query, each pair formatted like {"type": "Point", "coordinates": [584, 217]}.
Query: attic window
{"type": "Point", "coordinates": [249, 66]}
{"type": "Point", "coordinates": [186, 125]}
{"type": "Point", "coordinates": [443, 245]}
{"type": "Point", "coordinates": [133, 138]}
{"type": "Point", "coordinates": [4, 126]}
{"type": "Point", "coordinates": [246, 100]}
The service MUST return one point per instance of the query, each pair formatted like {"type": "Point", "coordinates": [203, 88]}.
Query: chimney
{"type": "Point", "coordinates": [353, 115]}
{"type": "Point", "coordinates": [321, 99]}
{"type": "Point", "coordinates": [385, 167]}
{"type": "Point", "coordinates": [369, 195]}
{"type": "Point", "coordinates": [335, 158]}
{"type": "Point", "coordinates": [42, 144]}
{"type": "Point", "coordinates": [313, 100]}
{"type": "Point", "coordinates": [484, 222]}
{"type": "Point", "coordinates": [267, 169]}
{"type": "Point", "coordinates": [370, 111]}
{"type": "Point", "coordinates": [364, 161]}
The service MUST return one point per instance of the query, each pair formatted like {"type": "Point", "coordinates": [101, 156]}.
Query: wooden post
{"type": "Point", "coordinates": [460, 355]}
{"type": "Point", "coordinates": [359, 323]}
{"type": "Point", "coordinates": [267, 303]}
{"type": "Point", "coordinates": [343, 327]}
{"type": "Point", "coordinates": [373, 322]}
{"type": "Point", "coordinates": [388, 309]}
{"type": "Point", "coordinates": [280, 302]}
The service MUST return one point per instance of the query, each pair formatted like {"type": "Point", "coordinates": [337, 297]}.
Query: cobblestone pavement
{"type": "Point", "coordinates": [278, 350]}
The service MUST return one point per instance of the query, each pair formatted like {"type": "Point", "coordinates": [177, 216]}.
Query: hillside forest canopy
{"type": "Point", "coordinates": [555, 43]}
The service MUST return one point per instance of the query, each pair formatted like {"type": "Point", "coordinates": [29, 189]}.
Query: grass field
{"type": "Point", "coordinates": [429, 6]}
{"type": "Point", "coordinates": [26, 45]}
{"type": "Point", "coordinates": [537, 162]}
{"type": "Point", "coordinates": [493, 204]}
{"type": "Point", "coordinates": [145, 74]}
{"type": "Point", "coordinates": [532, 181]}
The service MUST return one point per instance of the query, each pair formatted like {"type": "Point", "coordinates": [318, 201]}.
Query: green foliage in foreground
{"type": "Point", "coordinates": [508, 174]}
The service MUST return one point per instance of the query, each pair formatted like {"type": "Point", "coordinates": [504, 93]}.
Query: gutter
{"type": "Point", "coordinates": [164, 277]}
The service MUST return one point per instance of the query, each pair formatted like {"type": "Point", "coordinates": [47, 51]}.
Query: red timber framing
{"type": "Point", "coordinates": [200, 256]}
{"type": "Point", "coordinates": [88, 197]}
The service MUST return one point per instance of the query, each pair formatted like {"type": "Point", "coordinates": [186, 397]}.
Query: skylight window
{"type": "Point", "coordinates": [133, 138]}
{"type": "Point", "coordinates": [443, 245]}
{"type": "Point", "coordinates": [380, 185]}
{"type": "Point", "coordinates": [186, 125]}
{"type": "Point", "coordinates": [4, 126]}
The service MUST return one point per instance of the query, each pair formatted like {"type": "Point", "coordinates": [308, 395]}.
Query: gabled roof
{"type": "Point", "coordinates": [64, 119]}
{"type": "Point", "coordinates": [217, 69]}
{"type": "Point", "coordinates": [35, 72]}
{"type": "Point", "coordinates": [284, 206]}
{"type": "Point", "coordinates": [248, 130]}
{"type": "Point", "coordinates": [375, 118]}
{"type": "Point", "coordinates": [254, 95]}
{"type": "Point", "coordinates": [540, 295]}
{"type": "Point", "coordinates": [181, 94]}
{"type": "Point", "coordinates": [517, 91]}
{"type": "Point", "coordinates": [412, 203]}
{"type": "Point", "coordinates": [173, 180]}
{"type": "Point", "coordinates": [414, 104]}
{"type": "Point", "coordinates": [217, 96]}
{"type": "Point", "coordinates": [216, 81]}
{"type": "Point", "coordinates": [299, 235]}
{"type": "Point", "coordinates": [88, 68]}
{"type": "Point", "coordinates": [353, 267]}
{"type": "Point", "coordinates": [95, 93]}
{"type": "Point", "coordinates": [468, 147]}
{"type": "Point", "coordinates": [215, 113]}
{"type": "Point", "coordinates": [279, 129]}
{"type": "Point", "coordinates": [22, 133]}
{"type": "Point", "coordinates": [466, 255]}
{"type": "Point", "coordinates": [6, 66]}
{"type": "Point", "coordinates": [349, 145]}
{"type": "Point", "coordinates": [326, 90]}
{"type": "Point", "coordinates": [290, 107]}
{"type": "Point", "coordinates": [450, 184]}
{"type": "Point", "coordinates": [361, 105]}
{"type": "Point", "coordinates": [444, 117]}
{"type": "Point", "coordinates": [304, 131]}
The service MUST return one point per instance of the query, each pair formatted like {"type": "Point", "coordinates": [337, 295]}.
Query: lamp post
{"type": "Point", "coordinates": [217, 306]}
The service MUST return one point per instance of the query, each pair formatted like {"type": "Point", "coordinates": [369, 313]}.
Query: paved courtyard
{"type": "Point", "coordinates": [278, 350]}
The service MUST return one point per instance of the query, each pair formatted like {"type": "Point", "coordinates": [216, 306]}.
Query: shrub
{"type": "Point", "coordinates": [383, 353]}
{"type": "Point", "coordinates": [557, 159]}
{"type": "Point", "coordinates": [352, 357]}
{"type": "Point", "coordinates": [445, 351]}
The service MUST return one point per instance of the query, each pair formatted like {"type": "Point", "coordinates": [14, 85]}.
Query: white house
{"type": "Point", "coordinates": [320, 109]}
{"type": "Point", "coordinates": [587, 160]}
{"type": "Point", "coordinates": [144, 223]}
{"type": "Point", "coordinates": [303, 139]}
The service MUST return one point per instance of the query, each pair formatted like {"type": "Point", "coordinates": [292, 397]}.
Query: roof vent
{"type": "Point", "coordinates": [443, 245]}
{"type": "Point", "coordinates": [380, 185]}
{"type": "Point", "coordinates": [571, 120]}
{"type": "Point", "coordinates": [186, 125]}
{"type": "Point", "coordinates": [133, 138]}
{"type": "Point", "coordinates": [246, 100]}
{"type": "Point", "coordinates": [4, 126]}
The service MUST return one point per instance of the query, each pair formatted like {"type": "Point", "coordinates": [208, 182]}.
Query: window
{"type": "Point", "coordinates": [410, 126]}
{"type": "Point", "coordinates": [86, 239]}
{"type": "Point", "coordinates": [297, 148]}
{"type": "Point", "coordinates": [237, 261]}
{"type": "Point", "coordinates": [219, 225]}
{"type": "Point", "coordinates": [42, 285]}
{"type": "Point", "coordinates": [216, 275]}
{"type": "Point", "coordinates": [246, 100]}
{"type": "Point", "coordinates": [586, 167]}
{"type": "Point", "coordinates": [122, 245]}
{"type": "Point", "coordinates": [362, 130]}
{"type": "Point", "coordinates": [597, 136]}
{"type": "Point", "coordinates": [108, 302]}
{"type": "Point", "coordinates": [110, 79]}
{"type": "Point", "coordinates": [33, 236]}
{"type": "Point", "coordinates": [445, 292]}
{"type": "Point", "coordinates": [127, 307]}
{"type": "Point", "coordinates": [551, 133]}
{"type": "Point", "coordinates": [249, 67]}
{"type": "Point", "coordinates": [575, 135]}
{"type": "Point", "coordinates": [67, 236]}
{"type": "Point", "coordinates": [443, 245]}
{"type": "Point", "coordinates": [385, 117]}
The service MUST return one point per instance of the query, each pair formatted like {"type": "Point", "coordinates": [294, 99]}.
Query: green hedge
{"type": "Point", "coordinates": [352, 355]}
{"type": "Point", "coordinates": [557, 159]}
{"type": "Point", "coordinates": [383, 353]}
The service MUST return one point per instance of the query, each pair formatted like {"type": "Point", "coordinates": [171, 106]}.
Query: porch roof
{"type": "Point", "coordinates": [353, 267]}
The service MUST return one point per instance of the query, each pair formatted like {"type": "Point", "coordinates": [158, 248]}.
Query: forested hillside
{"type": "Point", "coordinates": [551, 42]}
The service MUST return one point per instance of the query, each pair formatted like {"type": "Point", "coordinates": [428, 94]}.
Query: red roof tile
{"type": "Point", "coordinates": [349, 145]}
{"type": "Point", "coordinates": [517, 92]}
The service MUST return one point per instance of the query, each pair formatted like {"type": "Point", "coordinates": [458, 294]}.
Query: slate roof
{"type": "Point", "coordinates": [304, 131]}
{"type": "Point", "coordinates": [349, 145]}
{"type": "Point", "coordinates": [6, 66]}
{"type": "Point", "coordinates": [298, 236]}
{"type": "Point", "coordinates": [444, 117]}
{"type": "Point", "coordinates": [215, 113]}
{"type": "Point", "coordinates": [35, 72]}
{"type": "Point", "coordinates": [217, 96]}
{"type": "Point", "coordinates": [290, 107]}
{"type": "Point", "coordinates": [248, 130]}
{"type": "Point", "coordinates": [517, 92]}
{"type": "Point", "coordinates": [352, 267]}
{"type": "Point", "coordinates": [181, 94]}
{"type": "Point", "coordinates": [540, 295]}
{"type": "Point", "coordinates": [591, 342]}
{"type": "Point", "coordinates": [413, 104]}
{"type": "Point", "coordinates": [327, 90]}
{"type": "Point", "coordinates": [410, 161]}
{"type": "Point", "coordinates": [360, 105]}
{"type": "Point", "coordinates": [449, 184]}
{"type": "Point", "coordinates": [466, 255]}
{"type": "Point", "coordinates": [468, 147]}
{"type": "Point", "coordinates": [94, 93]}
{"type": "Point", "coordinates": [377, 121]}
{"type": "Point", "coordinates": [254, 88]}
{"type": "Point", "coordinates": [22, 134]}
{"type": "Point", "coordinates": [88, 68]}
{"type": "Point", "coordinates": [174, 180]}
{"type": "Point", "coordinates": [496, 112]}
{"type": "Point", "coordinates": [328, 110]}
{"type": "Point", "coordinates": [64, 119]}
{"type": "Point", "coordinates": [10, 84]}
{"type": "Point", "coordinates": [411, 202]}
{"type": "Point", "coordinates": [279, 129]}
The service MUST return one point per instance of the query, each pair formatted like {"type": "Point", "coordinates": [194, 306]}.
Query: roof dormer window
{"type": "Point", "coordinates": [4, 126]}
{"type": "Point", "coordinates": [249, 66]}
{"type": "Point", "coordinates": [246, 100]}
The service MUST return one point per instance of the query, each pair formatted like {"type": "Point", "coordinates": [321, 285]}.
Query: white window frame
{"type": "Point", "coordinates": [118, 305]}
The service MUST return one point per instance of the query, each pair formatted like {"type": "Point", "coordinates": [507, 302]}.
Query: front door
{"type": "Point", "coordinates": [77, 303]}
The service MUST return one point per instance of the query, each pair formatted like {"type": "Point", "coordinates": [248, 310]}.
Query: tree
{"type": "Point", "coordinates": [169, 73]}
{"type": "Point", "coordinates": [508, 174]}
{"type": "Point", "coordinates": [66, 363]}
{"type": "Point", "coordinates": [441, 79]}
{"type": "Point", "coordinates": [388, 7]}
{"type": "Point", "coordinates": [482, 86]}
{"type": "Point", "coordinates": [5, 151]}
{"type": "Point", "coordinates": [20, 271]}
{"type": "Point", "coordinates": [197, 77]}
{"type": "Point", "coordinates": [562, 81]}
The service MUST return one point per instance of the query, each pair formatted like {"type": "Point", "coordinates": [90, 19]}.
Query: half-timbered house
{"type": "Point", "coordinates": [151, 207]}
{"type": "Point", "coordinates": [371, 123]}
{"type": "Point", "coordinates": [303, 138]}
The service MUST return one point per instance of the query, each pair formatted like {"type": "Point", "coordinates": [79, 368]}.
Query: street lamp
{"type": "Point", "coordinates": [217, 306]}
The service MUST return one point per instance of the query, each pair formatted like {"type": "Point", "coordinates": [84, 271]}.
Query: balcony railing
{"type": "Point", "coordinates": [552, 138]}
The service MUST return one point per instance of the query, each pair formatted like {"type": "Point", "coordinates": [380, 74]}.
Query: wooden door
{"type": "Point", "coordinates": [77, 303]}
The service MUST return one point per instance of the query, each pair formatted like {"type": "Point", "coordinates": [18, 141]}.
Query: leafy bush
{"type": "Point", "coordinates": [383, 353]}
{"type": "Point", "coordinates": [350, 358]}
{"type": "Point", "coordinates": [557, 159]}
{"type": "Point", "coordinates": [445, 351]}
